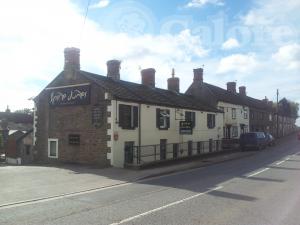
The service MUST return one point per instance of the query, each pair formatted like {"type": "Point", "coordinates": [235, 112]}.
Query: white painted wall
{"type": "Point", "coordinates": [239, 115]}
{"type": "Point", "coordinates": [151, 135]}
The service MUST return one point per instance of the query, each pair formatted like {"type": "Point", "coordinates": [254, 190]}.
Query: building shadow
{"type": "Point", "coordinates": [233, 196]}
{"type": "Point", "coordinates": [283, 168]}
{"type": "Point", "coordinates": [263, 179]}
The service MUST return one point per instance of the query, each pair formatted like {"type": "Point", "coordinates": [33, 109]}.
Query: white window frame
{"type": "Point", "coordinates": [163, 115]}
{"type": "Point", "coordinates": [56, 155]}
{"type": "Point", "coordinates": [233, 112]}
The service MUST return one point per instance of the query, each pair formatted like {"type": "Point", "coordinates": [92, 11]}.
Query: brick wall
{"type": "Point", "coordinates": [60, 121]}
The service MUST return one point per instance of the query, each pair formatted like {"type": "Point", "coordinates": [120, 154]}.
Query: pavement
{"type": "Point", "coordinates": [238, 188]}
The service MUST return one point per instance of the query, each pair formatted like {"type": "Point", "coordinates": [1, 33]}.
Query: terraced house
{"type": "Point", "coordinates": [88, 118]}
{"type": "Point", "coordinates": [236, 112]}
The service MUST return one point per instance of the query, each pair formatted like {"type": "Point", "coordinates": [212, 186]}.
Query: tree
{"type": "Point", "coordinates": [294, 109]}
{"type": "Point", "coordinates": [25, 111]}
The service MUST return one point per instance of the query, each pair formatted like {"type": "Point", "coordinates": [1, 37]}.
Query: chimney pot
{"type": "Point", "coordinates": [231, 87]}
{"type": "Point", "coordinates": [148, 77]}
{"type": "Point", "coordinates": [198, 75]}
{"type": "Point", "coordinates": [72, 59]}
{"type": "Point", "coordinates": [173, 83]}
{"type": "Point", "coordinates": [242, 90]}
{"type": "Point", "coordinates": [113, 69]}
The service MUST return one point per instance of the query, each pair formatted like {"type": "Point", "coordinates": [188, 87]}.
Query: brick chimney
{"type": "Point", "coordinates": [173, 83]}
{"type": "Point", "coordinates": [148, 77]}
{"type": "Point", "coordinates": [231, 87]}
{"type": "Point", "coordinates": [242, 90]}
{"type": "Point", "coordinates": [198, 75]}
{"type": "Point", "coordinates": [72, 59]}
{"type": "Point", "coordinates": [265, 100]}
{"type": "Point", "coordinates": [113, 69]}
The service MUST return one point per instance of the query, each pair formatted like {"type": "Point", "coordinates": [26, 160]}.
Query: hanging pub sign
{"type": "Point", "coordinates": [185, 127]}
{"type": "Point", "coordinates": [73, 95]}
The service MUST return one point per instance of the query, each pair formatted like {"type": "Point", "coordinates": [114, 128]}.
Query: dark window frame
{"type": "Point", "coordinates": [128, 116]}
{"type": "Point", "coordinates": [163, 115]}
{"type": "Point", "coordinates": [211, 121]}
{"type": "Point", "coordinates": [191, 116]}
{"type": "Point", "coordinates": [74, 139]}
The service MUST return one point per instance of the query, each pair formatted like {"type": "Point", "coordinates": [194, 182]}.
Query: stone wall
{"type": "Point", "coordinates": [60, 121]}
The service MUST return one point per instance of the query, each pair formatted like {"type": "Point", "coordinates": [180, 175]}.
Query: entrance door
{"type": "Point", "coordinates": [128, 149]}
{"type": "Point", "coordinates": [228, 131]}
{"type": "Point", "coordinates": [175, 150]}
{"type": "Point", "coordinates": [163, 149]}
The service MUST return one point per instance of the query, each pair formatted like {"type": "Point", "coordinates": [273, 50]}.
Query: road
{"type": "Point", "coordinates": [263, 189]}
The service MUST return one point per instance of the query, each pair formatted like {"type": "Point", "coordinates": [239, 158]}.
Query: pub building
{"type": "Point", "coordinates": [81, 117]}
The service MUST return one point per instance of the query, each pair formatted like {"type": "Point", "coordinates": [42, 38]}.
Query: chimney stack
{"type": "Point", "coordinates": [198, 75]}
{"type": "Point", "coordinates": [113, 69]}
{"type": "Point", "coordinates": [265, 100]}
{"type": "Point", "coordinates": [231, 87]}
{"type": "Point", "coordinates": [148, 77]}
{"type": "Point", "coordinates": [173, 83]}
{"type": "Point", "coordinates": [242, 90]}
{"type": "Point", "coordinates": [72, 59]}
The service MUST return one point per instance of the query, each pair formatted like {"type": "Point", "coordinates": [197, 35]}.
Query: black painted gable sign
{"type": "Point", "coordinates": [76, 95]}
{"type": "Point", "coordinates": [185, 127]}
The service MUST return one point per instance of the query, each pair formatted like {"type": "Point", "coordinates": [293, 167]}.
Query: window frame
{"type": "Point", "coordinates": [165, 118]}
{"type": "Point", "coordinates": [212, 124]}
{"type": "Point", "coordinates": [233, 113]}
{"type": "Point", "coordinates": [192, 116]}
{"type": "Point", "coordinates": [72, 136]}
{"type": "Point", "coordinates": [245, 114]}
{"type": "Point", "coordinates": [56, 152]}
{"type": "Point", "coordinates": [134, 122]}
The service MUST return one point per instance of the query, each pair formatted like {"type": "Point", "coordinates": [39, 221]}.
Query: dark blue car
{"type": "Point", "coordinates": [253, 140]}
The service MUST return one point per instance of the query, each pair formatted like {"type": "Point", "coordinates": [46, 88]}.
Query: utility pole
{"type": "Point", "coordinates": [277, 121]}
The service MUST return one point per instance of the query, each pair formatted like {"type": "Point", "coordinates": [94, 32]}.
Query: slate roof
{"type": "Point", "coordinates": [235, 98]}
{"type": "Point", "coordinates": [128, 91]}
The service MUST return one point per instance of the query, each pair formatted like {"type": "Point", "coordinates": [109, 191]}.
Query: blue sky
{"type": "Point", "coordinates": [254, 42]}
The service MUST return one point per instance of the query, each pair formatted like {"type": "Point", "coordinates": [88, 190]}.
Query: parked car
{"type": "Point", "coordinates": [270, 139]}
{"type": "Point", "coordinates": [2, 157]}
{"type": "Point", "coordinates": [253, 140]}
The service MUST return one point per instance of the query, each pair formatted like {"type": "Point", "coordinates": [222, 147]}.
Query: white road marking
{"type": "Point", "coordinates": [258, 172]}
{"type": "Point", "coordinates": [165, 206]}
{"type": "Point", "coordinates": [278, 163]}
{"type": "Point", "coordinates": [47, 199]}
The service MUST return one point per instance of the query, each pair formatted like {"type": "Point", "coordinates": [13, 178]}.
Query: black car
{"type": "Point", "coordinates": [253, 140]}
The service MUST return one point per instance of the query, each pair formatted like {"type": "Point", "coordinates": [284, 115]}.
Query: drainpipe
{"type": "Point", "coordinates": [140, 130]}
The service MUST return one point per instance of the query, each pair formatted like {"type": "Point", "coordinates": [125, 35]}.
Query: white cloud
{"type": "Point", "coordinates": [100, 4]}
{"type": "Point", "coordinates": [31, 48]}
{"type": "Point", "coordinates": [238, 63]}
{"type": "Point", "coordinates": [230, 44]}
{"type": "Point", "coordinates": [269, 12]}
{"type": "Point", "coordinates": [288, 56]}
{"type": "Point", "coordinates": [201, 3]}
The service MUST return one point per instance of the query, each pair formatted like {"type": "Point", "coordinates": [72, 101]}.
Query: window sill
{"type": "Point", "coordinates": [166, 128]}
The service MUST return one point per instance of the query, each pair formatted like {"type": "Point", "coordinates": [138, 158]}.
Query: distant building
{"type": "Point", "coordinates": [18, 149]}
{"type": "Point", "coordinates": [13, 122]}
{"type": "Point", "coordinates": [236, 111]}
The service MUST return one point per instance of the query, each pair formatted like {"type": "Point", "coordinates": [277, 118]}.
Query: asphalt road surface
{"type": "Point", "coordinates": [263, 189]}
